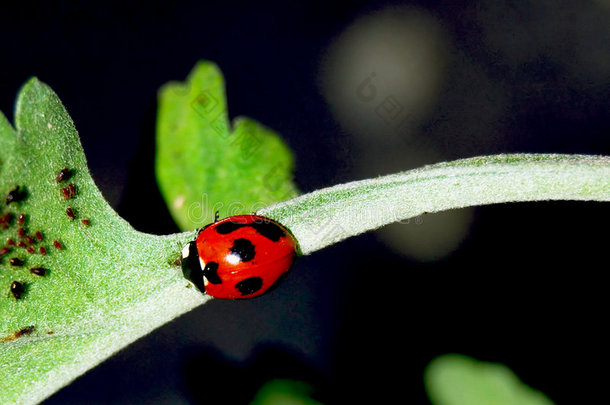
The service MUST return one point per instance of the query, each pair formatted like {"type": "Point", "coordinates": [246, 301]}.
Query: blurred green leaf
{"type": "Point", "coordinates": [106, 287]}
{"type": "Point", "coordinates": [460, 380]}
{"type": "Point", "coordinates": [204, 164]}
{"type": "Point", "coordinates": [284, 392]}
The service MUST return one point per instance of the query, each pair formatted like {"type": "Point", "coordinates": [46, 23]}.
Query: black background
{"type": "Point", "coordinates": [357, 320]}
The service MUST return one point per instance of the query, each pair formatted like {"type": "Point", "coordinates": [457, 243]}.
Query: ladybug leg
{"type": "Point", "coordinates": [199, 230]}
{"type": "Point", "coordinates": [178, 261]}
{"type": "Point", "coordinates": [216, 216]}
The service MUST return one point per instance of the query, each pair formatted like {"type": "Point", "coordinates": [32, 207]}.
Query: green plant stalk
{"type": "Point", "coordinates": [327, 216]}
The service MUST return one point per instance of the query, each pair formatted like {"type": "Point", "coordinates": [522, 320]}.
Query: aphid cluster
{"type": "Point", "coordinates": [20, 246]}
{"type": "Point", "coordinates": [68, 193]}
{"type": "Point", "coordinates": [17, 244]}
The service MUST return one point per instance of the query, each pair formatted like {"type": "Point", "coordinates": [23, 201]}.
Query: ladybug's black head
{"type": "Point", "coordinates": [191, 265]}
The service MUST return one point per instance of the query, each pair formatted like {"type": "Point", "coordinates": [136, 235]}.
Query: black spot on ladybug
{"type": "Point", "coordinates": [211, 273]}
{"type": "Point", "coordinates": [249, 285]}
{"type": "Point", "coordinates": [227, 227]}
{"type": "Point", "coordinates": [268, 229]}
{"type": "Point", "coordinates": [244, 249]}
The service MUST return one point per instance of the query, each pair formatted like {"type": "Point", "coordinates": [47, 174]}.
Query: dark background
{"type": "Point", "coordinates": [361, 319]}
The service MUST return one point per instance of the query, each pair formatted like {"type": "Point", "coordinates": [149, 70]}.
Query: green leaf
{"type": "Point", "coordinates": [284, 392]}
{"type": "Point", "coordinates": [460, 380]}
{"type": "Point", "coordinates": [109, 284]}
{"type": "Point", "coordinates": [332, 214]}
{"type": "Point", "coordinates": [204, 164]}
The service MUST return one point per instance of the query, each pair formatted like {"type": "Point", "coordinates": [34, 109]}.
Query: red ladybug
{"type": "Point", "coordinates": [242, 256]}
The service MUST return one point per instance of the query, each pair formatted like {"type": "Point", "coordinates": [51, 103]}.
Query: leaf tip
{"type": "Point", "coordinates": [31, 91]}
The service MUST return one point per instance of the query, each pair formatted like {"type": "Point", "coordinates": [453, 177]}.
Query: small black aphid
{"type": "Point", "coordinates": [64, 174]}
{"type": "Point", "coordinates": [17, 289]}
{"type": "Point", "coordinates": [16, 335]}
{"type": "Point", "coordinates": [25, 331]}
{"type": "Point", "coordinates": [15, 261]}
{"type": "Point", "coordinates": [70, 213]}
{"type": "Point", "coordinates": [38, 271]}
{"type": "Point", "coordinates": [15, 195]}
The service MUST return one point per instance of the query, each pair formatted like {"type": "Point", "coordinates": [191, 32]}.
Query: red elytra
{"type": "Point", "coordinates": [243, 256]}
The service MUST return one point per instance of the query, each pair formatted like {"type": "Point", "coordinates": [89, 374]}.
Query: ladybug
{"type": "Point", "coordinates": [242, 256]}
